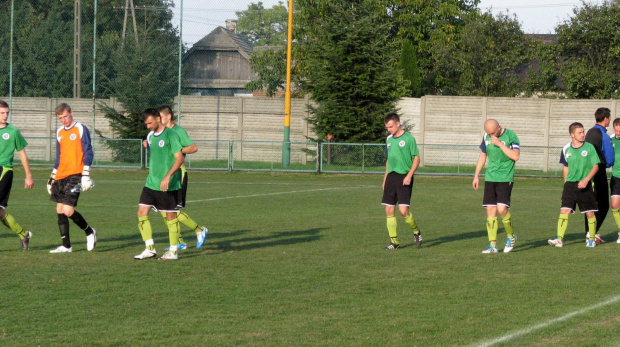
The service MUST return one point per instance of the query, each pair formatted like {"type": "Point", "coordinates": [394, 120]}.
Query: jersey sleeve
{"type": "Point", "coordinates": [87, 147]}
{"type": "Point", "coordinates": [563, 158]}
{"type": "Point", "coordinates": [414, 148]}
{"type": "Point", "coordinates": [608, 150]}
{"type": "Point", "coordinates": [20, 141]}
{"type": "Point", "coordinates": [175, 143]}
{"type": "Point", "coordinates": [483, 146]}
{"type": "Point", "coordinates": [183, 136]}
{"type": "Point", "coordinates": [514, 142]}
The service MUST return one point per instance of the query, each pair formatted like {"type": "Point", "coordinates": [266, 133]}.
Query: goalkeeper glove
{"type": "Point", "coordinates": [50, 182]}
{"type": "Point", "coordinates": [86, 182]}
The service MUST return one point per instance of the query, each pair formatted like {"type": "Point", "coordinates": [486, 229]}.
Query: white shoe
{"type": "Point", "coordinates": [91, 240]}
{"type": "Point", "coordinates": [169, 256]}
{"type": "Point", "coordinates": [510, 243]}
{"type": "Point", "coordinates": [557, 242]}
{"type": "Point", "coordinates": [618, 238]}
{"type": "Point", "coordinates": [147, 253]}
{"type": "Point", "coordinates": [490, 249]}
{"type": "Point", "coordinates": [62, 249]}
{"type": "Point", "coordinates": [591, 243]}
{"type": "Point", "coordinates": [201, 236]}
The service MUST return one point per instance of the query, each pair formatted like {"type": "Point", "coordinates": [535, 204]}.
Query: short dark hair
{"type": "Point", "coordinates": [62, 107]}
{"type": "Point", "coordinates": [150, 112]}
{"type": "Point", "coordinates": [572, 127]}
{"type": "Point", "coordinates": [4, 104]}
{"type": "Point", "coordinates": [165, 109]}
{"type": "Point", "coordinates": [602, 113]}
{"type": "Point", "coordinates": [616, 122]}
{"type": "Point", "coordinates": [391, 116]}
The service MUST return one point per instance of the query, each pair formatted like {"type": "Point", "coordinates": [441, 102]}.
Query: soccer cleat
{"type": "Point", "coordinates": [618, 238]}
{"type": "Point", "coordinates": [557, 242]}
{"type": "Point", "coordinates": [598, 238]}
{"type": "Point", "coordinates": [26, 241]}
{"type": "Point", "coordinates": [201, 236]}
{"type": "Point", "coordinates": [392, 246]}
{"type": "Point", "coordinates": [62, 249]}
{"type": "Point", "coordinates": [489, 250]}
{"type": "Point", "coordinates": [180, 247]}
{"type": "Point", "coordinates": [169, 256]}
{"type": "Point", "coordinates": [91, 240]}
{"type": "Point", "coordinates": [510, 243]}
{"type": "Point", "coordinates": [418, 239]}
{"type": "Point", "coordinates": [591, 244]}
{"type": "Point", "coordinates": [147, 253]}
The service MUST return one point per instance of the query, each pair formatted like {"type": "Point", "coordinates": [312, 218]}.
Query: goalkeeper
{"type": "Point", "coordinates": [70, 176]}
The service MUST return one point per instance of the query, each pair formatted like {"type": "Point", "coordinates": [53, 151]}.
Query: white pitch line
{"type": "Point", "coordinates": [567, 316]}
{"type": "Point", "coordinates": [276, 193]}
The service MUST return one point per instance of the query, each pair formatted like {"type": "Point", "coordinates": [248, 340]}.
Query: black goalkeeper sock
{"type": "Point", "coordinates": [63, 226]}
{"type": "Point", "coordinates": [77, 218]}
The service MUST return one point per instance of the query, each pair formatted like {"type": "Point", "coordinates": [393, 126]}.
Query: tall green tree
{"type": "Point", "coordinates": [484, 59]}
{"type": "Point", "coordinates": [262, 26]}
{"type": "Point", "coordinates": [589, 43]}
{"type": "Point", "coordinates": [349, 62]}
{"type": "Point", "coordinates": [411, 69]}
{"type": "Point", "coordinates": [270, 68]}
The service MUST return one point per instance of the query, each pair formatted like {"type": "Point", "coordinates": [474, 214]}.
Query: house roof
{"type": "Point", "coordinates": [222, 39]}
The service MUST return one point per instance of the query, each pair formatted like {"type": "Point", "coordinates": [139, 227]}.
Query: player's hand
{"type": "Point", "coordinates": [145, 144]}
{"type": "Point", "coordinates": [29, 183]}
{"type": "Point", "coordinates": [406, 181]}
{"type": "Point", "coordinates": [475, 183]}
{"type": "Point", "coordinates": [164, 184]}
{"type": "Point", "coordinates": [49, 185]}
{"type": "Point", "coordinates": [583, 183]}
{"type": "Point", "coordinates": [495, 140]}
{"type": "Point", "coordinates": [87, 183]}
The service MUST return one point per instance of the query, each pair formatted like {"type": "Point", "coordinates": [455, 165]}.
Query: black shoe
{"type": "Point", "coordinates": [26, 241]}
{"type": "Point", "coordinates": [418, 239]}
{"type": "Point", "coordinates": [392, 246]}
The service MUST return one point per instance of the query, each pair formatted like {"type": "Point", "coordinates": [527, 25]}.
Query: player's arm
{"type": "Point", "coordinates": [178, 161]}
{"type": "Point", "coordinates": [190, 149]}
{"type": "Point", "coordinates": [414, 167]}
{"type": "Point", "coordinates": [584, 182]}
{"type": "Point", "coordinates": [29, 182]}
{"type": "Point", "coordinates": [385, 175]}
{"type": "Point", "coordinates": [482, 158]}
{"type": "Point", "coordinates": [564, 172]}
{"type": "Point", "coordinates": [511, 152]}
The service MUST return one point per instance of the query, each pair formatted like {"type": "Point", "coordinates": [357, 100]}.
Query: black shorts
{"type": "Point", "coordinates": [584, 198]}
{"type": "Point", "coordinates": [614, 186]}
{"type": "Point", "coordinates": [497, 193]}
{"type": "Point", "coordinates": [61, 190]}
{"type": "Point", "coordinates": [160, 201]}
{"type": "Point", "coordinates": [395, 192]}
{"type": "Point", "coordinates": [6, 182]}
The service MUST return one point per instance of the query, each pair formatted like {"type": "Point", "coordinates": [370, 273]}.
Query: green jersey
{"type": "Point", "coordinates": [183, 137]}
{"type": "Point", "coordinates": [11, 140]}
{"type": "Point", "coordinates": [579, 161]}
{"type": "Point", "coordinates": [400, 152]}
{"type": "Point", "coordinates": [162, 148]}
{"type": "Point", "coordinates": [615, 171]}
{"type": "Point", "coordinates": [500, 168]}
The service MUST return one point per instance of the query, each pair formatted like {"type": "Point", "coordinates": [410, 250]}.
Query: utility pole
{"type": "Point", "coordinates": [77, 49]}
{"type": "Point", "coordinates": [130, 6]}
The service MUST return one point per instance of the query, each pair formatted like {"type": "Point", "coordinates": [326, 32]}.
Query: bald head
{"type": "Point", "coordinates": [491, 127]}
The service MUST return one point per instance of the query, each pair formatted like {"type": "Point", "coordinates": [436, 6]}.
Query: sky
{"type": "Point", "coordinates": [200, 17]}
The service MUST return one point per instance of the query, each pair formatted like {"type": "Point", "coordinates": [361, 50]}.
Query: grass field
{"type": "Point", "coordinates": [298, 260]}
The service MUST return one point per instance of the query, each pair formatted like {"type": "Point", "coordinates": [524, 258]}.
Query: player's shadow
{"type": "Point", "coordinates": [569, 239]}
{"type": "Point", "coordinates": [437, 241]}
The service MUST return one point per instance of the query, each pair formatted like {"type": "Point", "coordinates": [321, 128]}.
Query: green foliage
{"type": "Point", "coordinates": [350, 67]}
{"type": "Point", "coordinates": [410, 69]}
{"type": "Point", "coordinates": [270, 66]}
{"type": "Point", "coordinates": [263, 27]}
{"type": "Point", "coordinates": [589, 42]}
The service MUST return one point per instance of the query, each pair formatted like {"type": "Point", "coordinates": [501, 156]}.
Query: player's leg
{"type": "Point", "coordinates": [504, 192]}
{"type": "Point", "coordinates": [200, 230]}
{"type": "Point", "coordinates": [403, 196]}
{"type": "Point", "coordinates": [169, 204]}
{"type": "Point", "coordinates": [614, 185]}
{"type": "Point", "coordinates": [147, 201]}
{"type": "Point", "coordinates": [389, 201]}
{"type": "Point", "coordinates": [70, 201]}
{"type": "Point", "coordinates": [601, 193]}
{"type": "Point", "coordinates": [489, 201]}
{"type": "Point", "coordinates": [589, 206]}
{"type": "Point", "coordinates": [63, 227]}
{"type": "Point", "coordinates": [568, 206]}
{"type": "Point", "coordinates": [6, 182]}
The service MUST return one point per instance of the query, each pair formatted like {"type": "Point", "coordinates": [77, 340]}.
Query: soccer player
{"type": "Point", "coordinates": [189, 147]}
{"type": "Point", "coordinates": [160, 192]}
{"type": "Point", "coordinates": [597, 136]}
{"type": "Point", "coordinates": [614, 184]}
{"type": "Point", "coordinates": [580, 164]}
{"type": "Point", "coordinates": [501, 146]}
{"type": "Point", "coordinates": [70, 176]}
{"type": "Point", "coordinates": [403, 160]}
{"type": "Point", "coordinates": [12, 141]}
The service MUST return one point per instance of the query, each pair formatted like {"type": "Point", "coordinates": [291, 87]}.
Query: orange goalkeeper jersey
{"type": "Point", "coordinates": [74, 151]}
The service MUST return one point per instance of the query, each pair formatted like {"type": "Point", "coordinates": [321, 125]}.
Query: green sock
{"type": "Point", "coordinates": [562, 225]}
{"type": "Point", "coordinates": [507, 221]}
{"type": "Point", "coordinates": [188, 222]}
{"type": "Point", "coordinates": [492, 230]}
{"type": "Point", "coordinates": [616, 214]}
{"type": "Point", "coordinates": [592, 227]}
{"type": "Point", "coordinates": [144, 225]}
{"type": "Point", "coordinates": [411, 222]}
{"type": "Point", "coordinates": [163, 214]}
{"type": "Point", "coordinates": [174, 230]}
{"type": "Point", "coordinates": [10, 223]}
{"type": "Point", "coordinates": [392, 230]}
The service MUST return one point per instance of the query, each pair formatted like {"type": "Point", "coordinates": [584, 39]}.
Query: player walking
{"type": "Point", "coordinates": [11, 140]}
{"type": "Point", "coordinates": [580, 164]}
{"type": "Point", "coordinates": [614, 183]}
{"type": "Point", "coordinates": [501, 146]}
{"type": "Point", "coordinates": [403, 160]}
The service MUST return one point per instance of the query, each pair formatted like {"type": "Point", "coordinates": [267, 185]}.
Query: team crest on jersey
{"type": "Point", "coordinates": [584, 153]}
{"type": "Point", "coordinates": [6, 136]}
{"type": "Point", "coordinates": [161, 143]}
{"type": "Point", "coordinates": [401, 143]}
{"type": "Point", "coordinates": [72, 137]}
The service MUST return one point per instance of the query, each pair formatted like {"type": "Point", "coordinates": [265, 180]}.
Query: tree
{"type": "Point", "coordinates": [589, 44]}
{"type": "Point", "coordinates": [411, 69]}
{"type": "Point", "coordinates": [263, 27]}
{"type": "Point", "coordinates": [270, 67]}
{"type": "Point", "coordinates": [349, 67]}
{"type": "Point", "coordinates": [484, 59]}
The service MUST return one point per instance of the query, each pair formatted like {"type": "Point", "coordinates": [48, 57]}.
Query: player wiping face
{"type": "Point", "coordinates": [494, 130]}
